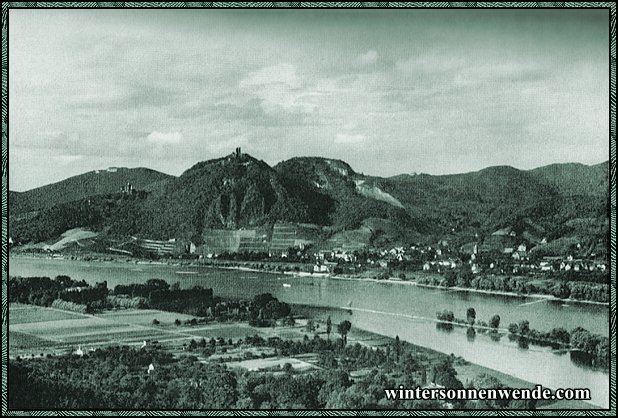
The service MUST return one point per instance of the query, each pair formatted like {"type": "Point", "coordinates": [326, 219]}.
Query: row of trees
{"type": "Point", "coordinates": [594, 346]}
{"type": "Point", "coordinates": [262, 310]}
{"type": "Point", "coordinates": [556, 338]}
{"type": "Point", "coordinates": [590, 290]}
{"type": "Point", "coordinates": [44, 291]}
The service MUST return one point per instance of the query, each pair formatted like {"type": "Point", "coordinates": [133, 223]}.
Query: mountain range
{"type": "Point", "coordinates": [555, 202]}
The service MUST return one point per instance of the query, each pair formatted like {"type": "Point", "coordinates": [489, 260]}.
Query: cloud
{"type": "Point", "coordinates": [165, 137]}
{"type": "Point", "coordinates": [508, 72]}
{"type": "Point", "coordinates": [253, 113]}
{"type": "Point", "coordinates": [281, 90]}
{"type": "Point", "coordinates": [433, 62]}
{"type": "Point", "coordinates": [368, 58]}
{"type": "Point", "coordinates": [277, 74]}
{"type": "Point", "coordinates": [342, 138]}
{"type": "Point", "coordinates": [118, 98]}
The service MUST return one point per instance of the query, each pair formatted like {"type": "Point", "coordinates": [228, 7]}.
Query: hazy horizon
{"type": "Point", "coordinates": [437, 91]}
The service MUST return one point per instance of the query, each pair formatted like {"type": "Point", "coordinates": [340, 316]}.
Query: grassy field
{"type": "Point", "coordinates": [33, 328]}
{"type": "Point", "coordinates": [24, 314]}
{"type": "Point", "coordinates": [144, 317]}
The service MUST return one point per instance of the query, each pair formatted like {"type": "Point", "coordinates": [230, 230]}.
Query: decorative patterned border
{"type": "Point", "coordinates": [612, 139]}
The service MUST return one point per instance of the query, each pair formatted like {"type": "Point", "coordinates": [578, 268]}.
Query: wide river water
{"type": "Point", "coordinates": [385, 308]}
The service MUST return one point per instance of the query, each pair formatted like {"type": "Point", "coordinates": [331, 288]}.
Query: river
{"type": "Point", "coordinates": [386, 308]}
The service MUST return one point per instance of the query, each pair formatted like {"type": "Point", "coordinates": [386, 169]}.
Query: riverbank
{"type": "Point", "coordinates": [107, 258]}
{"type": "Point", "coordinates": [51, 336]}
{"type": "Point", "coordinates": [395, 280]}
{"type": "Point", "coordinates": [391, 303]}
{"type": "Point", "coordinates": [466, 371]}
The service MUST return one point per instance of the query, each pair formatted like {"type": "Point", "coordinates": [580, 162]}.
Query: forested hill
{"type": "Point", "coordinates": [238, 191]}
{"type": "Point", "coordinates": [576, 179]}
{"type": "Point", "coordinates": [235, 191]}
{"type": "Point", "coordinates": [82, 186]}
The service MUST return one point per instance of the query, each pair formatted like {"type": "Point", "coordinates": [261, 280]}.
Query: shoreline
{"type": "Point", "coordinates": [288, 274]}
{"type": "Point", "coordinates": [414, 283]}
{"type": "Point", "coordinates": [392, 280]}
{"type": "Point", "coordinates": [465, 368]}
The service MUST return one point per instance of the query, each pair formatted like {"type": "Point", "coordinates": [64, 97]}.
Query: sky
{"type": "Point", "coordinates": [388, 91]}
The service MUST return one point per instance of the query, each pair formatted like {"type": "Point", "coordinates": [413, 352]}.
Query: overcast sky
{"type": "Point", "coordinates": [388, 91]}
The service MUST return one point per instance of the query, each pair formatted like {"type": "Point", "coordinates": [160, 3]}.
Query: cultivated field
{"type": "Point", "coordinates": [35, 330]}
{"type": "Point", "coordinates": [24, 314]}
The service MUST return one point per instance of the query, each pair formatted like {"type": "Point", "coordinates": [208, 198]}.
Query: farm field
{"type": "Point", "coordinates": [19, 340]}
{"type": "Point", "coordinates": [144, 317]}
{"type": "Point", "coordinates": [36, 330]}
{"type": "Point", "coordinates": [33, 329]}
{"type": "Point", "coordinates": [23, 314]}
{"type": "Point", "coordinates": [233, 331]}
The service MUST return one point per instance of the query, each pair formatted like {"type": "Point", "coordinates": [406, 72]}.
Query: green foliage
{"type": "Point", "coordinates": [119, 212]}
{"type": "Point", "coordinates": [117, 378]}
{"type": "Point", "coordinates": [444, 374]}
{"type": "Point", "coordinates": [265, 309]}
{"type": "Point", "coordinates": [61, 292]}
{"type": "Point", "coordinates": [595, 346]}
{"type": "Point", "coordinates": [83, 186]}
{"type": "Point", "coordinates": [561, 287]}
{"type": "Point", "coordinates": [343, 328]}
{"type": "Point", "coordinates": [494, 322]}
{"type": "Point", "coordinates": [471, 316]}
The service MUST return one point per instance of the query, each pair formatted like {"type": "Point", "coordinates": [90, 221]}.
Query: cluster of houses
{"type": "Point", "coordinates": [569, 263]}
{"type": "Point", "coordinates": [495, 253]}
{"type": "Point", "coordinates": [440, 259]}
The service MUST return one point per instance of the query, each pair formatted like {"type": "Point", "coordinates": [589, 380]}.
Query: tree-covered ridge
{"type": "Point", "coordinates": [489, 199]}
{"type": "Point", "coordinates": [232, 192]}
{"type": "Point", "coordinates": [85, 185]}
{"type": "Point", "coordinates": [118, 214]}
{"type": "Point", "coordinates": [239, 191]}
{"type": "Point", "coordinates": [576, 179]}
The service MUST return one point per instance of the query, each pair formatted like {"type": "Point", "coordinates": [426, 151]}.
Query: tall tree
{"type": "Point", "coordinates": [343, 328]}
{"type": "Point", "coordinates": [397, 348]}
{"type": "Point", "coordinates": [329, 327]}
{"type": "Point", "coordinates": [471, 316]}
{"type": "Point", "coordinates": [494, 322]}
